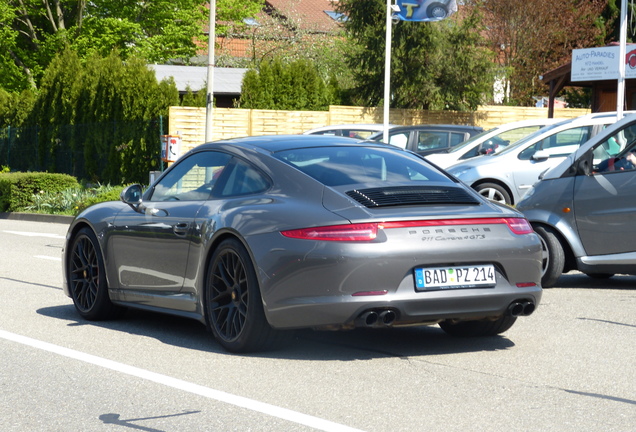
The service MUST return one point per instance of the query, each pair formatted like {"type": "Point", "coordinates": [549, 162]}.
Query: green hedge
{"type": "Point", "coordinates": [17, 190]}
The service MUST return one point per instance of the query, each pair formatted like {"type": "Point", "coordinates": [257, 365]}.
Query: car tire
{"type": "Point", "coordinates": [86, 278]}
{"type": "Point", "coordinates": [552, 258]}
{"type": "Point", "coordinates": [234, 308]}
{"type": "Point", "coordinates": [476, 328]}
{"type": "Point", "coordinates": [437, 10]}
{"type": "Point", "coordinates": [494, 192]}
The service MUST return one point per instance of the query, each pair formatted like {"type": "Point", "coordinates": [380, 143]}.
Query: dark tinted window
{"type": "Point", "coordinates": [242, 179]}
{"type": "Point", "coordinates": [431, 140]}
{"type": "Point", "coordinates": [457, 138]}
{"type": "Point", "coordinates": [337, 166]}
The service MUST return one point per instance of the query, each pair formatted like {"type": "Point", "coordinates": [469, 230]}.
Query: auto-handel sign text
{"type": "Point", "coordinates": [595, 64]}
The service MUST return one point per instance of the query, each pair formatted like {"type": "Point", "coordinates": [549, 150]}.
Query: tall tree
{"type": "Point", "coordinates": [295, 85]}
{"type": "Point", "coordinates": [287, 34]}
{"type": "Point", "coordinates": [32, 32]}
{"type": "Point", "coordinates": [531, 37]}
{"type": "Point", "coordinates": [441, 65]}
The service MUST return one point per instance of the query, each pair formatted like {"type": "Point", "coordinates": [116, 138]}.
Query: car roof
{"type": "Point", "coordinates": [527, 122]}
{"type": "Point", "coordinates": [438, 126]}
{"type": "Point", "coordinates": [274, 143]}
{"type": "Point", "coordinates": [374, 127]}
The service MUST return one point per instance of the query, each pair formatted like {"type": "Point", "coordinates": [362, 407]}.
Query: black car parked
{"type": "Point", "coordinates": [428, 139]}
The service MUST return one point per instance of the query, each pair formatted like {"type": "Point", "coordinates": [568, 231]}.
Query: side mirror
{"type": "Point", "coordinates": [132, 195]}
{"type": "Point", "coordinates": [541, 155]}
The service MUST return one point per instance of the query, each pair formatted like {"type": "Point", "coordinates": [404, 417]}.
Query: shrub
{"type": "Point", "coordinates": [19, 190]}
{"type": "Point", "coordinates": [101, 194]}
{"type": "Point", "coordinates": [73, 200]}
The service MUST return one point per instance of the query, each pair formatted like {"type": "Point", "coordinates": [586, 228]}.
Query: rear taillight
{"type": "Point", "coordinates": [519, 225]}
{"type": "Point", "coordinates": [516, 225]}
{"type": "Point", "coordinates": [352, 232]}
{"type": "Point", "coordinates": [369, 231]}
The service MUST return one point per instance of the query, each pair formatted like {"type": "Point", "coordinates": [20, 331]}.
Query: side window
{"type": "Point", "coordinates": [399, 139]}
{"type": "Point", "coordinates": [359, 134]}
{"type": "Point", "coordinates": [191, 179]}
{"type": "Point", "coordinates": [431, 140]}
{"type": "Point", "coordinates": [559, 144]}
{"type": "Point", "coordinates": [616, 153]}
{"type": "Point", "coordinates": [243, 179]}
{"type": "Point", "coordinates": [491, 146]}
{"type": "Point", "coordinates": [456, 138]}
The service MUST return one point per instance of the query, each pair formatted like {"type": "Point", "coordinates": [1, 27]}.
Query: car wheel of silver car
{"type": "Point", "coordinates": [233, 301]}
{"type": "Point", "coordinates": [475, 328]}
{"type": "Point", "coordinates": [552, 257]}
{"type": "Point", "coordinates": [87, 278]}
{"type": "Point", "coordinates": [494, 192]}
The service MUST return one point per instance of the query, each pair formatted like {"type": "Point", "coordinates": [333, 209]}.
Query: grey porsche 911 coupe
{"type": "Point", "coordinates": [258, 236]}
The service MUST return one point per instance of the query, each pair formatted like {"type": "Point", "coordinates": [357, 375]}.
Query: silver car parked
{"type": "Point", "coordinates": [492, 141]}
{"type": "Point", "coordinates": [508, 175]}
{"type": "Point", "coordinates": [583, 209]}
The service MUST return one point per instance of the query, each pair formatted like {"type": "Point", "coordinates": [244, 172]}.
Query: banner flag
{"type": "Point", "coordinates": [425, 10]}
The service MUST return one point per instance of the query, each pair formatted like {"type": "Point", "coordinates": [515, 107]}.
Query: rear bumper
{"type": "Point", "coordinates": [416, 308]}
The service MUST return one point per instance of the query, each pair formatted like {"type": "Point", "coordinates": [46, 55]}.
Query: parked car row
{"type": "Point", "coordinates": [489, 142]}
{"type": "Point", "coordinates": [573, 179]}
{"type": "Point", "coordinates": [508, 175]}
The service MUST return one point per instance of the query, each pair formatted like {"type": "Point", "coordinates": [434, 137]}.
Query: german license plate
{"type": "Point", "coordinates": [455, 277]}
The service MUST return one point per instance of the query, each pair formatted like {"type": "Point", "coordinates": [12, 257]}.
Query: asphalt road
{"type": "Point", "coordinates": [568, 367]}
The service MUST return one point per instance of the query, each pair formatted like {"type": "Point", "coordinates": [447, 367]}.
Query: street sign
{"type": "Point", "coordinates": [424, 10]}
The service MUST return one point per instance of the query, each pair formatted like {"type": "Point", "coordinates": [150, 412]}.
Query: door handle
{"type": "Point", "coordinates": [181, 229]}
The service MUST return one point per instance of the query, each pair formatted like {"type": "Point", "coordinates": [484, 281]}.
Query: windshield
{"type": "Point", "coordinates": [527, 139]}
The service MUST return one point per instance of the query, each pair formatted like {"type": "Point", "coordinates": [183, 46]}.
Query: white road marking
{"type": "Point", "coordinates": [59, 259]}
{"type": "Point", "coordinates": [35, 234]}
{"type": "Point", "coordinates": [221, 396]}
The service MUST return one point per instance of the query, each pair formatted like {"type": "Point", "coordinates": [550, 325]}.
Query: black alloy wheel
{"type": "Point", "coordinates": [87, 278]}
{"type": "Point", "coordinates": [233, 301]}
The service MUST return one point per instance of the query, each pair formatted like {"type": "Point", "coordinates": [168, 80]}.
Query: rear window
{"type": "Point", "coordinates": [339, 166]}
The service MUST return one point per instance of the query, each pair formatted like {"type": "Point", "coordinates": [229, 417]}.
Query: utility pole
{"type": "Point", "coordinates": [209, 109]}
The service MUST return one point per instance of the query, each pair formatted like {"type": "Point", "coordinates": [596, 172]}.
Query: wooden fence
{"type": "Point", "coordinates": [189, 122]}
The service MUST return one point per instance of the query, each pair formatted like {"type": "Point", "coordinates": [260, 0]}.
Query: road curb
{"type": "Point", "coordinates": [37, 217]}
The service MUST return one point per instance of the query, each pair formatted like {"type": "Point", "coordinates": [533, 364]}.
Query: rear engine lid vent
{"type": "Point", "coordinates": [412, 195]}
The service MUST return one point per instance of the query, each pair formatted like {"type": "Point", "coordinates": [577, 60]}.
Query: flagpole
{"type": "Point", "coordinates": [387, 72]}
{"type": "Point", "coordinates": [620, 90]}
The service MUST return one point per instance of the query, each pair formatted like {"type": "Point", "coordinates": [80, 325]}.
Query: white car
{"type": "Point", "coordinates": [488, 142]}
{"type": "Point", "coordinates": [358, 131]}
{"type": "Point", "coordinates": [507, 176]}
